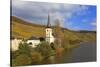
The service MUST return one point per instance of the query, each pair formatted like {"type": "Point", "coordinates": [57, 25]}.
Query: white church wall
{"type": "Point", "coordinates": [52, 40]}
{"type": "Point", "coordinates": [49, 37]}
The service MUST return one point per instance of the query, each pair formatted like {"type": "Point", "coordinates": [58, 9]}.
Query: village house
{"type": "Point", "coordinates": [33, 41]}
{"type": "Point", "coordinates": [15, 43]}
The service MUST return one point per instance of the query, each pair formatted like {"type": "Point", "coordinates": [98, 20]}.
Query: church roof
{"type": "Point", "coordinates": [48, 23]}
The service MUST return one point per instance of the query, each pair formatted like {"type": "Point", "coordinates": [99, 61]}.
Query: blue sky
{"type": "Point", "coordinates": [71, 16]}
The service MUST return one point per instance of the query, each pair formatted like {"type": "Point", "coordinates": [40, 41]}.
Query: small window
{"type": "Point", "coordinates": [30, 43]}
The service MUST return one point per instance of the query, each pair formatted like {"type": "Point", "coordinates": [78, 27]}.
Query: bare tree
{"type": "Point", "coordinates": [58, 33]}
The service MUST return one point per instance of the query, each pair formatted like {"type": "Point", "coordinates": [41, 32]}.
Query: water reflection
{"type": "Point", "coordinates": [60, 56]}
{"type": "Point", "coordinates": [79, 54]}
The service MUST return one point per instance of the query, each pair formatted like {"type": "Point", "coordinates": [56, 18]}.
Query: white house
{"type": "Point", "coordinates": [33, 41]}
{"type": "Point", "coordinates": [15, 43]}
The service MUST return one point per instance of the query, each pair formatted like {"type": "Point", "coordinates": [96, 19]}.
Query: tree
{"type": "Point", "coordinates": [22, 56]}
{"type": "Point", "coordinates": [58, 33]}
{"type": "Point", "coordinates": [25, 55]}
{"type": "Point", "coordinates": [24, 48]}
{"type": "Point", "coordinates": [36, 57]}
{"type": "Point", "coordinates": [22, 59]}
{"type": "Point", "coordinates": [45, 49]}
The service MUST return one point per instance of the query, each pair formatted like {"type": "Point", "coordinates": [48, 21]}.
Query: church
{"type": "Point", "coordinates": [33, 40]}
{"type": "Point", "coordinates": [49, 32]}
{"type": "Point", "coordinates": [48, 35]}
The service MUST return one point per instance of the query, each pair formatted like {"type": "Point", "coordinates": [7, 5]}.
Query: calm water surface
{"type": "Point", "coordinates": [84, 53]}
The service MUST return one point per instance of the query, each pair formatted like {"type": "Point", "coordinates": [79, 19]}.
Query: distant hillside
{"type": "Point", "coordinates": [23, 29]}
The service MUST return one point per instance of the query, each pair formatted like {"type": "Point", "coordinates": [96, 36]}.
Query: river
{"type": "Point", "coordinates": [84, 53]}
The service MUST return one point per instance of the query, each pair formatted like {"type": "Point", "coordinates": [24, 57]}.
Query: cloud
{"type": "Point", "coordinates": [37, 12]}
{"type": "Point", "coordinates": [93, 24]}
{"type": "Point", "coordinates": [44, 7]}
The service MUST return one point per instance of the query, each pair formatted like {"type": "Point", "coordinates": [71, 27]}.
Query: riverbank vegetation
{"type": "Point", "coordinates": [26, 55]}
{"type": "Point", "coordinates": [41, 54]}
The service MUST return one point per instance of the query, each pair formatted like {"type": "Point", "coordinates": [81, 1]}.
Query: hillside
{"type": "Point", "coordinates": [23, 29]}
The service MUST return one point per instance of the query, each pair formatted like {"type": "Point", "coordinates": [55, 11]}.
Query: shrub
{"type": "Point", "coordinates": [22, 59]}
{"type": "Point", "coordinates": [36, 57]}
{"type": "Point", "coordinates": [44, 48]}
{"type": "Point", "coordinates": [24, 48]}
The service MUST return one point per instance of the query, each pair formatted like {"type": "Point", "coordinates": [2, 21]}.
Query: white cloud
{"type": "Point", "coordinates": [93, 24]}
{"type": "Point", "coordinates": [29, 10]}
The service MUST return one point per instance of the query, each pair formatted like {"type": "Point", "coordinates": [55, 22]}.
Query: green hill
{"type": "Point", "coordinates": [23, 29]}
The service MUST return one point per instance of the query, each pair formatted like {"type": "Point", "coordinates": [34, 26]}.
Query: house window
{"type": "Point", "coordinates": [30, 43]}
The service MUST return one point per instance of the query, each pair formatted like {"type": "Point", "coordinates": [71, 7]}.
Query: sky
{"type": "Point", "coordinates": [71, 16]}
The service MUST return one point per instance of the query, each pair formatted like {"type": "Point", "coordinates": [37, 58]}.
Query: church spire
{"type": "Point", "coordinates": [48, 23]}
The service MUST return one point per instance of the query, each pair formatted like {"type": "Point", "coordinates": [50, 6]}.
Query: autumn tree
{"type": "Point", "coordinates": [58, 33]}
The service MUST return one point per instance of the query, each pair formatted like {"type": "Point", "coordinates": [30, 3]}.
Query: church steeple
{"type": "Point", "coordinates": [48, 23]}
{"type": "Point", "coordinates": [49, 36]}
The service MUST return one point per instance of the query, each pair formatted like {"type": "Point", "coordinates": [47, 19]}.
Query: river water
{"type": "Point", "coordinates": [84, 53]}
